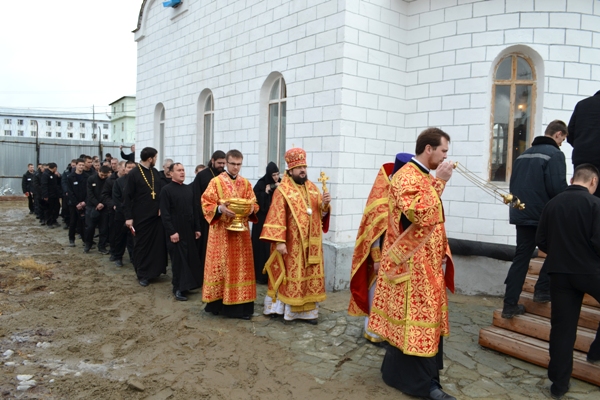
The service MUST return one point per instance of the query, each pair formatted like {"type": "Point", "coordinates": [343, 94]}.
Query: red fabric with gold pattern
{"type": "Point", "coordinates": [295, 157]}
{"type": "Point", "coordinates": [303, 278]}
{"type": "Point", "coordinates": [229, 265]}
{"type": "Point", "coordinates": [411, 312]}
{"type": "Point", "coordinates": [372, 226]}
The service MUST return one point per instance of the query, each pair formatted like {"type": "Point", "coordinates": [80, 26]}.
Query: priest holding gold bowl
{"type": "Point", "coordinates": [228, 204]}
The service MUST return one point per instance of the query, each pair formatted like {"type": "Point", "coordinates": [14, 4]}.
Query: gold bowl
{"type": "Point", "coordinates": [241, 208]}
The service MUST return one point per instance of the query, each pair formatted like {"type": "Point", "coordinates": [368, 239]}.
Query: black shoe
{"type": "Point", "coordinates": [144, 282]}
{"type": "Point", "coordinates": [311, 321]}
{"type": "Point", "coordinates": [86, 249]}
{"type": "Point", "coordinates": [51, 226]}
{"type": "Point", "coordinates": [71, 243]}
{"type": "Point", "coordinates": [439, 394]}
{"type": "Point", "coordinates": [112, 258]}
{"type": "Point", "coordinates": [555, 394]}
{"type": "Point", "coordinates": [42, 222]}
{"type": "Point", "coordinates": [593, 360]}
{"type": "Point", "coordinates": [103, 251]}
{"type": "Point", "coordinates": [510, 311]}
{"type": "Point", "coordinates": [30, 212]}
{"type": "Point", "coordinates": [119, 263]}
{"type": "Point", "coordinates": [179, 296]}
{"type": "Point", "coordinates": [66, 227]}
{"type": "Point", "coordinates": [541, 297]}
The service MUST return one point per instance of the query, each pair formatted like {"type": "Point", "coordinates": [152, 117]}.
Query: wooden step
{"type": "Point", "coordinates": [588, 318]}
{"type": "Point", "coordinates": [539, 328]}
{"type": "Point", "coordinates": [529, 285]}
{"type": "Point", "coordinates": [534, 351]}
{"type": "Point", "coordinates": [535, 265]}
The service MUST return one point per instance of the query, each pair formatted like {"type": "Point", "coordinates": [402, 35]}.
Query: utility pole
{"type": "Point", "coordinates": [37, 143]}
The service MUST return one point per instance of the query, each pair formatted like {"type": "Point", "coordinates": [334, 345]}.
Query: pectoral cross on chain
{"type": "Point", "coordinates": [153, 195]}
{"type": "Point", "coordinates": [323, 179]}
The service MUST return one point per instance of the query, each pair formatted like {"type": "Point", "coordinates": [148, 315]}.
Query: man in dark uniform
{"type": "Point", "coordinates": [27, 186]}
{"type": "Point", "coordinates": [569, 233]}
{"type": "Point", "coordinates": [165, 174]}
{"type": "Point", "coordinates": [107, 200]}
{"type": "Point", "coordinates": [123, 238]}
{"type": "Point", "coordinates": [216, 166]}
{"type": "Point", "coordinates": [95, 211]}
{"type": "Point", "coordinates": [584, 132]}
{"type": "Point", "coordinates": [141, 209]}
{"type": "Point", "coordinates": [50, 196]}
{"type": "Point", "coordinates": [182, 228]}
{"type": "Point", "coordinates": [130, 156]}
{"type": "Point", "coordinates": [65, 211]}
{"type": "Point", "coordinates": [37, 193]}
{"type": "Point", "coordinates": [76, 195]}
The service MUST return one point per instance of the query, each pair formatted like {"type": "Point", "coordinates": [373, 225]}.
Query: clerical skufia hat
{"type": "Point", "coordinates": [295, 157]}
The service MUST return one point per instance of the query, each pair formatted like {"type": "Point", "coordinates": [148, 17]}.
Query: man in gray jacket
{"type": "Point", "coordinates": [539, 174]}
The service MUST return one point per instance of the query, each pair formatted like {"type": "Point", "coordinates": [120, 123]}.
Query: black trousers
{"type": "Point", "coordinates": [567, 292]}
{"type": "Point", "coordinates": [518, 270]}
{"type": "Point", "coordinates": [110, 223]}
{"type": "Point", "coordinates": [30, 202]}
{"type": "Point", "coordinates": [93, 220]}
{"type": "Point", "coordinates": [51, 209]}
{"type": "Point", "coordinates": [76, 222]}
{"type": "Point", "coordinates": [122, 238]}
{"type": "Point", "coordinates": [37, 205]}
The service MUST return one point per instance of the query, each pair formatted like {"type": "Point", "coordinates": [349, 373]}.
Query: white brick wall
{"type": "Point", "coordinates": [363, 79]}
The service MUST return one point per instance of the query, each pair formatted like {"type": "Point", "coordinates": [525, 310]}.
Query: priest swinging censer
{"type": "Point", "coordinates": [507, 198]}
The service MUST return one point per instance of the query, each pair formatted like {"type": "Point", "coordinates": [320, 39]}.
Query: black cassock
{"type": "Point", "coordinates": [149, 244]}
{"type": "Point", "coordinates": [179, 215]}
{"type": "Point", "coordinates": [262, 250]}
{"type": "Point", "coordinates": [199, 186]}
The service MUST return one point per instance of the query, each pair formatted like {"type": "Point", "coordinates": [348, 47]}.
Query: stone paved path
{"type": "Point", "coordinates": [336, 349]}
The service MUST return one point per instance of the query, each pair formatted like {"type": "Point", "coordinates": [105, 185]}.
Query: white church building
{"type": "Point", "coordinates": [354, 82]}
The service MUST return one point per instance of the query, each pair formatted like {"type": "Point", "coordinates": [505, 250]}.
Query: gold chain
{"type": "Point", "coordinates": [147, 183]}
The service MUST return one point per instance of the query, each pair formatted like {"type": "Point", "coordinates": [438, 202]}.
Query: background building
{"type": "Point", "coordinates": [122, 116]}
{"type": "Point", "coordinates": [54, 124]}
{"type": "Point", "coordinates": [354, 82]}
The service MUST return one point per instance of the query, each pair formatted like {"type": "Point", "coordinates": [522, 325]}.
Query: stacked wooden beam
{"type": "Point", "coordinates": [526, 336]}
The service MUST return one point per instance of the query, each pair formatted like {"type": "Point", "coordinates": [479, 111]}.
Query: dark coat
{"type": "Point", "coordinates": [77, 188]}
{"type": "Point", "coordinates": [539, 174]}
{"type": "Point", "coordinates": [50, 185]}
{"type": "Point", "coordinates": [27, 182]}
{"type": "Point", "coordinates": [569, 232]}
{"type": "Point", "coordinates": [584, 131]}
{"type": "Point", "coordinates": [94, 191]}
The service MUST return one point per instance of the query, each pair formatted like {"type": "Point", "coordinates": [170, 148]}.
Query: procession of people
{"type": "Point", "coordinates": [402, 265]}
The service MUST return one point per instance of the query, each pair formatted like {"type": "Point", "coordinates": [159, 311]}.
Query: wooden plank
{"type": "Point", "coordinates": [541, 254]}
{"type": "Point", "coordinates": [539, 328]}
{"type": "Point", "coordinates": [534, 351]}
{"type": "Point", "coordinates": [588, 318]}
{"type": "Point", "coordinates": [529, 285]}
{"type": "Point", "coordinates": [535, 265]}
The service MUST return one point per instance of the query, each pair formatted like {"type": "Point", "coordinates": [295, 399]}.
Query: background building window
{"type": "Point", "coordinates": [58, 123]}
{"type": "Point", "coordinates": [122, 126]}
{"type": "Point", "coordinates": [277, 111]}
{"type": "Point", "coordinates": [48, 123]}
{"type": "Point", "coordinates": [209, 126]}
{"type": "Point", "coordinates": [48, 134]}
{"type": "Point", "coordinates": [34, 133]}
{"type": "Point", "coordinates": [70, 134]}
{"type": "Point", "coordinates": [19, 122]}
{"type": "Point", "coordinates": [105, 126]}
{"type": "Point", "coordinates": [122, 107]}
{"type": "Point", "coordinates": [105, 137]}
{"type": "Point", "coordinates": [69, 125]}
{"type": "Point", "coordinates": [33, 122]}
{"type": "Point", "coordinates": [7, 133]}
{"type": "Point", "coordinates": [7, 121]}
{"type": "Point", "coordinates": [20, 133]}
{"type": "Point", "coordinates": [159, 129]}
{"type": "Point", "coordinates": [513, 104]}
{"type": "Point", "coordinates": [58, 134]}
{"type": "Point", "coordinates": [82, 135]}
{"type": "Point", "coordinates": [82, 124]}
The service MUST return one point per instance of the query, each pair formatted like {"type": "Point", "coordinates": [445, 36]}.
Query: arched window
{"type": "Point", "coordinates": [208, 125]}
{"type": "Point", "coordinates": [277, 108]}
{"type": "Point", "coordinates": [159, 130]}
{"type": "Point", "coordinates": [513, 95]}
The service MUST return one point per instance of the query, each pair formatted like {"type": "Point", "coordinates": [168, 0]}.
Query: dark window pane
{"type": "Point", "coordinates": [522, 120]}
{"type": "Point", "coordinates": [500, 133]}
{"type": "Point", "coordinates": [523, 69]}
{"type": "Point", "coordinates": [504, 71]}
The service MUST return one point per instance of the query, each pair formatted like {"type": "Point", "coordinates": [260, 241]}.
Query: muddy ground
{"type": "Point", "coordinates": [85, 329]}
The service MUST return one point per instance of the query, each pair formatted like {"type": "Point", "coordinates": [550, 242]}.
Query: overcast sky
{"type": "Point", "coordinates": [67, 54]}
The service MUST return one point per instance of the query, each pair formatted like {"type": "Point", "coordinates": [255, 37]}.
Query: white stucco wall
{"type": "Point", "coordinates": [363, 79]}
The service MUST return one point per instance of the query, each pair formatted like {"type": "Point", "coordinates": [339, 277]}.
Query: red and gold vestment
{"type": "Point", "coordinates": [372, 226]}
{"type": "Point", "coordinates": [229, 265]}
{"type": "Point", "coordinates": [410, 306]}
{"type": "Point", "coordinates": [296, 278]}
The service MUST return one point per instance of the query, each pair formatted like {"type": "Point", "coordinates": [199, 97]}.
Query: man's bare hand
{"type": "Point", "coordinates": [376, 266]}
{"type": "Point", "coordinates": [197, 234]}
{"type": "Point", "coordinates": [129, 223]}
{"type": "Point", "coordinates": [281, 248]}
{"type": "Point", "coordinates": [100, 206]}
{"type": "Point", "coordinates": [326, 198]}
{"type": "Point", "coordinates": [175, 237]}
{"type": "Point", "coordinates": [227, 211]}
{"type": "Point", "coordinates": [444, 171]}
